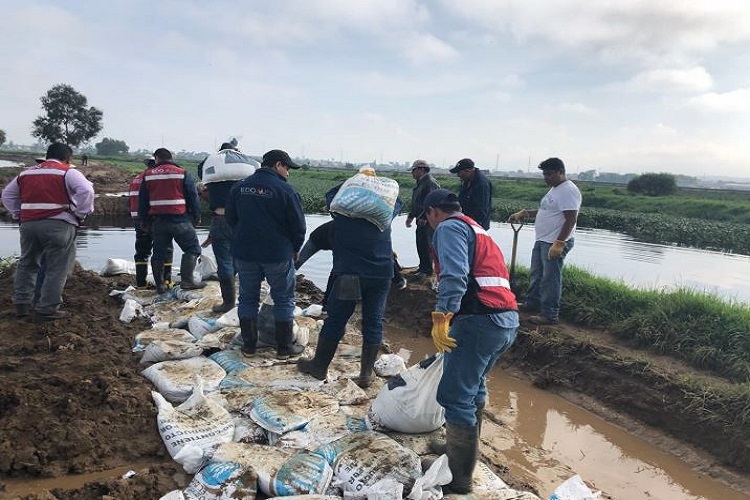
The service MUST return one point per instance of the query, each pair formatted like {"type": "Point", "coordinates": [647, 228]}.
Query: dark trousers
{"type": "Point", "coordinates": [144, 241]}
{"type": "Point", "coordinates": [424, 240]}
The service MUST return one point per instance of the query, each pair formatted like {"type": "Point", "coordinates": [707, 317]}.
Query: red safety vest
{"type": "Point", "coordinates": [135, 188]}
{"type": "Point", "coordinates": [489, 286]}
{"type": "Point", "coordinates": [43, 191]}
{"type": "Point", "coordinates": [165, 189]}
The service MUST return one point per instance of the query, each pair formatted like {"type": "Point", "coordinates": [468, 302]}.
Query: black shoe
{"type": "Point", "coordinates": [526, 307]}
{"type": "Point", "coordinates": [22, 310]}
{"type": "Point", "coordinates": [543, 320]}
{"type": "Point", "coordinates": [399, 283]}
{"type": "Point", "coordinates": [44, 318]}
{"type": "Point", "coordinates": [419, 275]}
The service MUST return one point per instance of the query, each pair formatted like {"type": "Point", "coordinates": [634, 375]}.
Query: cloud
{"type": "Point", "coordinates": [576, 108]}
{"type": "Point", "coordinates": [423, 49]}
{"type": "Point", "coordinates": [735, 101]}
{"type": "Point", "coordinates": [667, 81]}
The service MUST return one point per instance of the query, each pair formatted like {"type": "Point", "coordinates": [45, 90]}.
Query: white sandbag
{"type": "Point", "coordinates": [247, 431]}
{"type": "Point", "coordinates": [408, 401]}
{"type": "Point", "coordinates": [573, 489]}
{"type": "Point", "coordinates": [319, 430]}
{"type": "Point", "coordinates": [284, 411]}
{"type": "Point", "coordinates": [131, 310]}
{"type": "Point", "coordinates": [385, 489]}
{"type": "Point", "coordinates": [367, 197]}
{"type": "Point", "coordinates": [199, 327]}
{"type": "Point", "coordinates": [143, 339]}
{"type": "Point", "coordinates": [206, 268]}
{"type": "Point", "coordinates": [227, 165]}
{"type": "Point", "coordinates": [389, 365]}
{"type": "Point", "coordinates": [115, 267]}
{"type": "Point", "coordinates": [427, 487]}
{"type": "Point", "coordinates": [362, 459]}
{"type": "Point", "coordinates": [220, 339]}
{"type": "Point", "coordinates": [223, 481]}
{"type": "Point", "coordinates": [344, 390]}
{"type": "Point", "coordinates": [229, 318]}
{"type": "Point", "coordinates": [280, 472]}
{"type": "Point", "coordinates": [165, 350]}
{"type": "Point", "coordinates": [313, 310]}
{"type": "Point", "coordinates": [175, 380]}
{"type": "Point", "coordinates": [488, 486]}
{"type": "Point", "coordinates": [198, 422]}
{"type": "Point", "coordinates": [173, 495]}
{"type": "Point", "coordinates": [307, 497]}
{"type": "Point", "coordinates": [230, 360]}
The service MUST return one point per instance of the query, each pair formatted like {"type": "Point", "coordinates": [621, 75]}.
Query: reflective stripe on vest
{"type": "Point", "coordinates": [165, 189]}
{"type": "Point", "coordinates": [135, 189]}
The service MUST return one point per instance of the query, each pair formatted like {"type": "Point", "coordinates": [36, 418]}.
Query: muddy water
{"type": "Point", "coordinates": [543, 439]}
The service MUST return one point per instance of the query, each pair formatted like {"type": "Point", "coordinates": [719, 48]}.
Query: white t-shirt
{"type": "Point", "coordinates": [550, 217]}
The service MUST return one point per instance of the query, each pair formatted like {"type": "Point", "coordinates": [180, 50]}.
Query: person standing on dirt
{"type": "Point", "coordinates": [474, 322]}
{"type": "Point", "coordinates": [144, 241]}
{"type": "Point", "coordinates": [420, 171]}
{"type": "Point", "coordinates": [50, 200]}
{"type": "Point", "coordinates": [168, 203]}
{"type": "Point", "coordinates": [85, 160]}
{"type": "Point", "coordinates": [363, 270]}
{"type": "Point", "coordinates": [222, 171]}
{"type": "Point", "coordinates": [268, 224]}
{"type": "Point", "coordinates": [475, 194]}
{"type": "Point", "coordinates": [555, 225]}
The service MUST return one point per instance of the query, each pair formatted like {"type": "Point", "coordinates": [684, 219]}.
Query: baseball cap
{"type": "Point", "coordinates": [420, 164]}
{"type": "Point", "coordinates": [462, 165]}
{"type": "Point", "coordinates": [440, 197]}
{"type": "Point", "coordinates": [367, 171]}
{"type": "Point", "coordinates": [271, 157]}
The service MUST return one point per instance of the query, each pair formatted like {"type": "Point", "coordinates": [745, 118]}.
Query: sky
{"type": "Point", "coordinates": [616, 86]}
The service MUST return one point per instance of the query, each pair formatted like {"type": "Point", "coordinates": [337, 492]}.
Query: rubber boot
{"type": "Point", "coordinates": [462, 443]}
{"type": "Point", "coordinates": [157, 269]}
{"type": "Point", "coordinates": [249, 332]}
{"type": "Point", "coordinates": [227, 295]}
{"type": "Point", "coordinates": [317, 366]}
{"type": "Point", "coordinates": [438, 447]}
{"type": "Point", "coordinates": [187, 268]}
{"type": "Point", "coordinates": [285, 348]}
{"type": "Point", "coordinates": [22, 310]}
{"type": "Point", "coordinates": [367, 361]}
{"type": "Point", "coordinates": [141, 271]}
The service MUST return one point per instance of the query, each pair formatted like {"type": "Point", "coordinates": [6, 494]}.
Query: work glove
{"type": "Point", "coordinates": [518, 216]}
{"type": "Point", "coordinates": [556, 250]}
{"type": "Point", "coordinates": [441, 323]}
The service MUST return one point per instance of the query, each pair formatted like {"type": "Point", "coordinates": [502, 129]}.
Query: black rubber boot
{"type": "Point", "coordinates": [141, 271]}
{"type": "Point", "coordinates": [285, 348]}
{"type": "Point", "coordinates": [187, 268]}
{"type": "Point", "coordinates": [168, 274]}
{"type": "Point", "coordinates": [367, 361]}
{"type": "Point", "coordinates": [461, 447]}
{"type": "Point", "coordinates": [227, 295]}
{"type": "Point", "coordinates": [317, 366]}
{"type": "Point", "coordinates": [439, 447]}
{"type": "Point", "coordinates": [22, 310]}
{"type": "Point", "coordinates": [157, 269]}
{"type": "Point", "coordinates": [249, 332]}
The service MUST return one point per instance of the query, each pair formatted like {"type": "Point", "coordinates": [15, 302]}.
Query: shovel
{"type": "Point", "coordinates": [516, 229]}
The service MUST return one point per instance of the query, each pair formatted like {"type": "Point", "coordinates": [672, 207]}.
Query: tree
{"type": "Point", "coordinates": [68, 118]}
{"type": "Point", "coordinates": [110, 146]}
{"type": "Point", "coordinates": [2, 137]}
{"type": "Point", "coordinates": [653, 184]}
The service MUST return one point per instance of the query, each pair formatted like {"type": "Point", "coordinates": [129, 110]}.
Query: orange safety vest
{"type": "Point", "coordinates": [489, 281]}
{"type": "Point", "coordinates": [165, 189]}
{"type": "Point", "coordinates": [133, 190]}
{"type": "Point", "coordinates": [43, 191]}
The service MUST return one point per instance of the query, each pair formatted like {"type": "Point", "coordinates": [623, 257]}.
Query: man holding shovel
{"type": "Point", "coordinates": [555, 224]}
{"type": "Point", "coordinates": [474, 322]}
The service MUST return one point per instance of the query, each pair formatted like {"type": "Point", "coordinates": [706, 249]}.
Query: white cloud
{"type": "Point", "coordinates": [577, 108]}
{"type": "Point", "coordinates": [667, 81]}
{"type": "Point", "coordinates": [735, 101]}
{"type": "Point", "coordinates": [426, 49]}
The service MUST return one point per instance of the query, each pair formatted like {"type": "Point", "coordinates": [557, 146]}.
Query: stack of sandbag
{"type": "Point", "coordinates": [367, 197]}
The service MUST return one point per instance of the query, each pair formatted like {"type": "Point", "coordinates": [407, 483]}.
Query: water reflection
{"type": "Point", "coordinates": [603, 253]}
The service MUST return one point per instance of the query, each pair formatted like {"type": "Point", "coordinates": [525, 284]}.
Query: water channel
{"type": "Point", "coordinates": [604, 454]}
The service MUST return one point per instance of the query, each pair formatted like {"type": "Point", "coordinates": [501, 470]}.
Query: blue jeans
{"type": "Point", "coordinates": [374, 293]}
{"type": "Point", "coordinates": [221, 241]}
{"type": "Point", "coordinates": [280, 277]}
{"type": "Point", "coordinates": [545, 288]}
{"type": "Point", "coordinates": [181, 231]}
{"type": "Point", "coordinates": [480, 342]}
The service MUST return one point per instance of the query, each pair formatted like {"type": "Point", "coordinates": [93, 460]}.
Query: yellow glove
{"type": "Point", "coordinates": [440, 326]}
{"type": "Point", "coordinates": [518, 216]}
{"type": "Point", "coordinates": [556, 250]}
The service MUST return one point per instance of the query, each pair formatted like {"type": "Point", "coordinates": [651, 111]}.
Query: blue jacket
{"type": "Point", "coordinates": [266, 215]}
{"type": "Point", "coordinates": [360, 248]}
{"type": "Point", "coordinates": [476, 199]}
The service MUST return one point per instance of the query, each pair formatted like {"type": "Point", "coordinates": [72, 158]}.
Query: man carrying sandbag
{"type": "Point", "coordinates": [474, 322]}
{"type": "Point", "coordinates": [268, 227]}
{"type": "Point", "coordinates": [362, 270]}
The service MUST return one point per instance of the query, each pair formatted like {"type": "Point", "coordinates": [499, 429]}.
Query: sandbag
{"type": "Point", "coordinates": [199, 326]}
{"type": "Point", "coordinates": [408, 401]}
{"type": "Point", "coordinates": [115, 267]}
{"type": "Point", "coordinates": [175, 380]}
{"type": "Point", "coordinates": [165, 350]}
{"type": "Point", "coordinates": [228, 165]}
{"type": "Point", "coordinates": [367, 197]}
{"type": "Point", "coordinates": [205, 268]}
{"type": "Point", "coordinates": [198, 422]}
{"type": "Point", "coordinates": [143, 339]}
{"type": "Point", "coordinates": [223, 481]}
{"type": "Point", "coordinates": [362, 459]}
{"type": "Point", "coordinates": [284, 411]}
